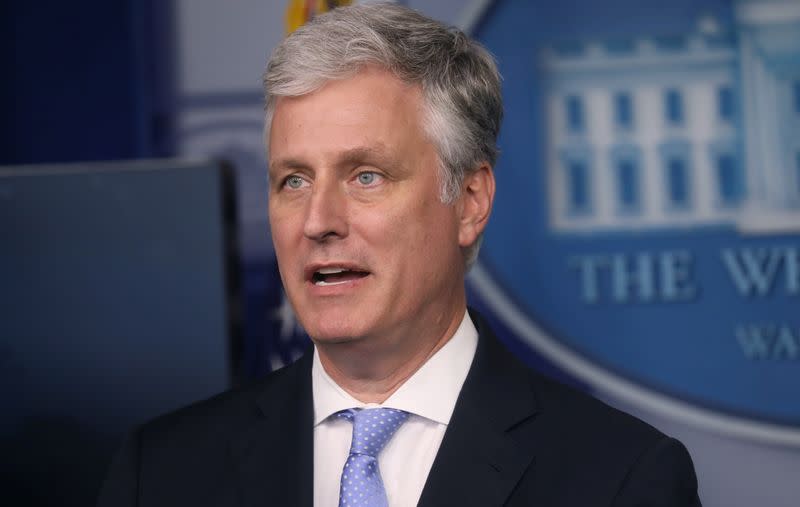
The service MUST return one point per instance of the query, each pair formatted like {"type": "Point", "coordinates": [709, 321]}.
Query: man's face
{"type": "Point", "coordinates": [364, 245]}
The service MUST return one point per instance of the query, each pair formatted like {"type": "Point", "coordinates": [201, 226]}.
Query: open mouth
{"type": "Point", "coordinates": [335, 276]}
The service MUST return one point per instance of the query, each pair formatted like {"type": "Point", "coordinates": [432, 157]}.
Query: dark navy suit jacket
{"type": "Point", "coordinates": [515, 439]}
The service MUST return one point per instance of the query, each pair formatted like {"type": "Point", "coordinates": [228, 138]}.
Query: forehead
{"type": "Point", "coordinates": [373, 109]}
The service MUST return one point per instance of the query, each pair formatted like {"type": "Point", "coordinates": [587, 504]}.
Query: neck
{"type": "Point", "coordinates": [371, 370]}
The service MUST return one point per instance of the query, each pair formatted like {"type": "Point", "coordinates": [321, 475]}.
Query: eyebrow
{"type": "Point", "coordinates": [377, 155]}
{"type": "Point", "coordinates": [286, 163]}
{"type": "Point", "coordinates": [360, 154]}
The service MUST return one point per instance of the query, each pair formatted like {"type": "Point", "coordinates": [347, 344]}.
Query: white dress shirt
{"type": "Point", "coordinates": [429, 395]}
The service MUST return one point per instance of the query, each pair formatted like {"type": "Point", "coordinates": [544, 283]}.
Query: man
{"type": "Point", "coordinates": [381, 131]}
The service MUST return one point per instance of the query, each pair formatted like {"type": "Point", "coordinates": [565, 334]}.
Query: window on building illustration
{"type": "Point", "coordinates": [725, 103]}
{"type": "Point", "coordinates": [677, 182]}
{"type": "Point", "coordinates": [797, 170]}
{"type": "Point", "coordinates": [671, 43]}
{"type": "Point", "coordinates": [673, 107]}
{"type": "Point", "coordinates": [722, 40]}
{"type": "Point", "coordinates": [620, 47]}
{"type": "Point", "coordinates": [627, 185]}
{"type": "Point", "coordinates": [578, 187]}
{"type": "Point", "coordinates": [623, 110]}
{"type": "Point", "coordinates": [569, 49]}
{"type": "Point", "coordinates": [796, 93]}
{"type": "Point", "coordinates": [729, 180]}
{"type": "Point", "coordinates": [575, 114]}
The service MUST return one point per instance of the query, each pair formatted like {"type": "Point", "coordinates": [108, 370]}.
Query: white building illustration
{"type": "Point", "coordinates": [671, 131]}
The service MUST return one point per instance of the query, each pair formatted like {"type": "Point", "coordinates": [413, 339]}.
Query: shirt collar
{"type": "Point", "coordinates": [431, 392]}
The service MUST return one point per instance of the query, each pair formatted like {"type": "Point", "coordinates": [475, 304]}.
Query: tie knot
{"type": "Point", "coordinates": [372, 428]}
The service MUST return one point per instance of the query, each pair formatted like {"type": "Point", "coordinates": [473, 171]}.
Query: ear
{"type": "Point", "coordinates": [477, 195]}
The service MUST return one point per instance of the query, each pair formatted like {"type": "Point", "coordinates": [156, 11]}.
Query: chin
{"type": "Point", "coordinates": [330, 329]}
{"type": "Point", "coordinates": [332, 340]}
{"type": "Point", "coordinates": [333, 320]}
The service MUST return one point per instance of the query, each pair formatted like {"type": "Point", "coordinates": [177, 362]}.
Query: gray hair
{"type": "Point", "coordinates": [458, 77]}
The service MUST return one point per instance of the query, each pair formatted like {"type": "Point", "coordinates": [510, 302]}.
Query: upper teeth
{"type": "Point", "coordinates": [330, 271]}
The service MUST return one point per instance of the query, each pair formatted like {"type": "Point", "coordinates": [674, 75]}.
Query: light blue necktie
{"type": "Point", "coordinates": [361, 484]}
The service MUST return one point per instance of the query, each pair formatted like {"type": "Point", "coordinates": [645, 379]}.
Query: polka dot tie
{"type": "Point", "coordinates": [362, 485]}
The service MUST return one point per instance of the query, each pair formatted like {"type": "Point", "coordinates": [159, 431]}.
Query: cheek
{"type": "Point", "coordinates": [425, 236]}
{"type": "Point", "coordinates": [395, 239]}
{"type": "Point", "coordinates": [284, 218]}
{"type": "Point", "coordinates": [404, 227]}
{"type": "Point", "coordinates": [285, 232]}
{"type": "Point", "coordinates": [278, 234]}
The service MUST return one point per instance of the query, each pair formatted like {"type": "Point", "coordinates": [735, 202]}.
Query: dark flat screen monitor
{"type": "Point", "coordinates": [117, 303]}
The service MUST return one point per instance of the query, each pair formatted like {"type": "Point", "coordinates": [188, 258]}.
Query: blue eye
{"type": "Point", "coordinates": [294, 182]}
{"type": "Point", "coordinates": [367, 178]}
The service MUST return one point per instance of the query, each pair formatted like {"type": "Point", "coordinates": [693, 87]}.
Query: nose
{"type": "Point", "coordinates": [326, 215]}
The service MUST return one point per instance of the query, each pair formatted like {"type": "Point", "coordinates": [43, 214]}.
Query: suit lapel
{"type": "Point", "coordinates": [274, 456]}
{"type": "Point", "coordinates": [487, 447]}
{"type": "Point", "coordinates": [489, 442]}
